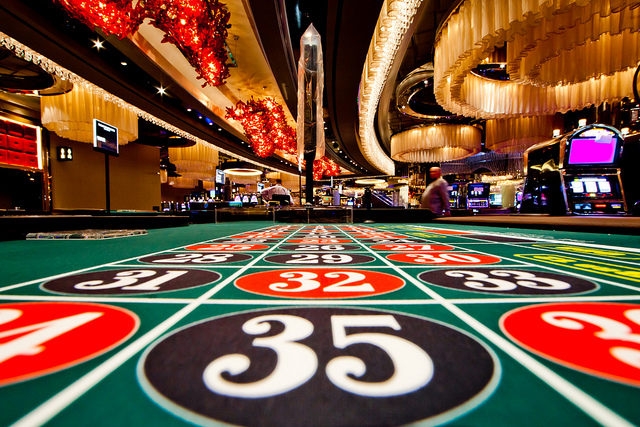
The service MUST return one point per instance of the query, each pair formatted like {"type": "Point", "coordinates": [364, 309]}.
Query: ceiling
{"type": "Point", "coordinates": [264, 41]}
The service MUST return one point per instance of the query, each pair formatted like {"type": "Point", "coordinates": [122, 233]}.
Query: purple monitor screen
{"type": "Point", "coordinates": [478, 190]}
{"type": "Point", "coordinates": [593, 150]}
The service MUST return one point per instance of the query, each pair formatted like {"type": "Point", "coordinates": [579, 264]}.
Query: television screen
{"type": "Point", "coordinates": [577, 187]}
{"type": "Point", "coordinates": [591, 186]}
{"type": "Point", "coordinates": [479, 191]}
{"type": "Point", "coordinates": [105, 138]}
{"type": "Point", "coordinates": [604, 186]}
{"type": "Point", "coordinates": [219, 176]}
{"type": "Point", "coordinates": [593, 150]}
{"type": "Point", "coordinates": [284, 199]}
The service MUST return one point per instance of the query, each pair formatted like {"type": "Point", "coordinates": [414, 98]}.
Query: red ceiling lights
{"type": "Point", "coordinates": [265, 126]}
{"type": "Point", "coordinates": [197, 27]}
{"type": "Point", "coordinates": [117, 17]}
{"type": "Point", "coordinates": [324, 167]}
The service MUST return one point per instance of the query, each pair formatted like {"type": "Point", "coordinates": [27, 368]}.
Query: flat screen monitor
{"type": "Point", "coordinates": [105, 138]}
{"type": "Point", "coordinates": [577, 186]}
{"type": "Point", "coordinates": [596, 146]}
{"type": "Point", "coordinates": [495, 199]}
{"type": "Point", "coordinates": [284, 199]}
{"type": "Point", "coordinates": [219, 176]}
{"type": "Point", "coordinates": [478, 191]}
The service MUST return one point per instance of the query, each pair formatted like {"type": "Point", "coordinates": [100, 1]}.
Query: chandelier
{"type": "Point", "coordinates": [515, 135]}
{"type": "Point", "coordinates": [179, 182]}
{"type": "Point", "coordinates": [71, 115]}
{"type": "Point", "coordinates": [560, 56]}
{"type": "Point", "coordinates": [198, 161]}
{"type": "Point", "coordinates": [198, 28]}
{"type": "Point", "coordinates": [265, 126]}
{"type": "Point", "coordinates": [395, 19]}
{"type": "Point", "coordinates": [436, 143]}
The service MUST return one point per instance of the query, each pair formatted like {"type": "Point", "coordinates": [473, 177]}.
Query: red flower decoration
{"type": "Point", "coordinates": [323, 167]}
{"type": "Point", "coordinates": [265, 126]}
{"type": "Point", "coordinates": [197, 27]}
{"type": "Point", "coordinates": [117, 17]}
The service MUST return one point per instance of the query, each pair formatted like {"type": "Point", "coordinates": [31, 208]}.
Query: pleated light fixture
{"type": "Point", "coordinates": [198, 161]}
{"type": "Point", "coordinates": [71, 116]}
{"type": "Point", "coordinates": [436, 143]}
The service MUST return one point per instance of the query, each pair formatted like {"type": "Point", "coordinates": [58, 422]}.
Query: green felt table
{"type": "Point", "coordinates": [261, 323]}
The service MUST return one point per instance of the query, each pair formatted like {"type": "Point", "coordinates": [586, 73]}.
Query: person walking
{"type": "Point", "coordinates": [436, 195]}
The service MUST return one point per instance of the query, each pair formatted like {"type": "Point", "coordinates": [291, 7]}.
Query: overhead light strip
{"type": "Point", "coordinates": [394, 21]}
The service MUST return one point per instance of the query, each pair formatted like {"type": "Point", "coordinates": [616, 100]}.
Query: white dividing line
{"type": "Point", "coordinates": [109, 264]}
{"type": "Point", "coordinates": [545, 267]}
{"type": "Point", "coordinates": [582, 400]}
{"type": "Point", "coordinates": [98, 299]}
{"type": "Point", "coordinates": [290, 301]}
{"type": "Point", "coordinates": [569, 254]}
{"type": "Point", "coordinates": [587, 245]}
{"type": "Point", "coordinates": [49, 409]}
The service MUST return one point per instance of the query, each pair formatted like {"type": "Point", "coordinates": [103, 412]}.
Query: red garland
{"type": "Point", "coordinates": [265, 126]}
{"type": "Point", "coordinates": [197, 27]}
{"type": "Point", "coordinates": [117, 17]}
{"type": "Point", "coordinates": [323, 167]}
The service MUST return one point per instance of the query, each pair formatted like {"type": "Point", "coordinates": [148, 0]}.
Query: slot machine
{"type": "Point", "coordinates": [478, 194]}
{"type": "Point", "coordinates": [458, 195]}
{"type": "Point", "coordinates": [576, 173]}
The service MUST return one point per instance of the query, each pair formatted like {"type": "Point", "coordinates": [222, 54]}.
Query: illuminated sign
{"type": "Point", "coordinates": [65, 154]}
{"type": "Point", "coordinates": [105, 138]}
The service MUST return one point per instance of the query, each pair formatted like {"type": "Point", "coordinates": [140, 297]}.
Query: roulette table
{"type": "Point", "coordinates": [259, 323]}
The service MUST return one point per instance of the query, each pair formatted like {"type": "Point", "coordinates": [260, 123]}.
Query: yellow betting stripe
{"type": "Point", "coordinates": [603, 268]}
{"type": "Point", "coordinates": [606, 253]}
